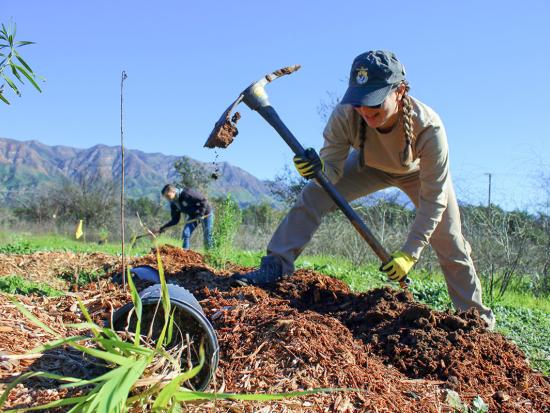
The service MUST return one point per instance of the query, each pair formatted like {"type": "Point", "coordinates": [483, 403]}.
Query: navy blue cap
{"type": "Point", "coordinates": [372, 77]}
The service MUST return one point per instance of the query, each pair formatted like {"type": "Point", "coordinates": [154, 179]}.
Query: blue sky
{"type": "Point", "coordinates": [482, 65]}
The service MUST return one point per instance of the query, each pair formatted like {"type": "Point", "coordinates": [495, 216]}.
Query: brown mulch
{"type": "Point", "coordinates": [452, 347]}
{"type": "Point", "coordinates": [309, 331]}
{"type": "Point", "coordinates": [269, 346]}
{"type": "Point", "coordinates": [46, 267]}
{"type": "Point", "coordinates": [174, 259]}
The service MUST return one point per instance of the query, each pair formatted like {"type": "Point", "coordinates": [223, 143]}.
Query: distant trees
{"type": "Point", "coordinates": [510, 248]}
{"type": "Point", "coordinates": [191, 174]}
{"type": "Point", "coordinates": [145, 207]}
{"type": "Point", "coordinates": [92, 200]}
{"type": "Point", "coordinates": [286, 186]}
{"type": "Point", "coordinates": [152, 213]}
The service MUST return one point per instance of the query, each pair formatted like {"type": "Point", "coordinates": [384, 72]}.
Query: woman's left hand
{"type": "Point", "coordinates": [399, 266]}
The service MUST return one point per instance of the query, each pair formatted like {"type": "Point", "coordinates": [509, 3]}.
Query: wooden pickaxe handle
{"type": "Point", "coordinates": [271, 116]}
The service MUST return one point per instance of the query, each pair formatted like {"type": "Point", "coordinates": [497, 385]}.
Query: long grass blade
{"type": "Point", "coordinates": [107, 388]}
{"type": "Point", "coordinates": [128, 347]}
{"type": "Point", "coordinates": [26, 376]}
{"type": "Point", "coordinates": [88, 317]}
{"type": "Point", "coordinates": [165, 298]}
{"type": "Point", "coordinates": [168, 392]}
{"type": "Point", "coordinates": [137, 304]}
{"type": "Point", "coordinates": [110, 375]}
{"type": "Point", "coordinates": [104, 355]}
{"type": "Point", "coordinates": [189, 395]}
{"type": "Point", "coordinates": [22, 61]}
{"type": "Point", "coordinates": [57, 343]}
{"type": "Point", "coordinates": [58, 403]}
{"type": "Point", "coordinates": [110, 343]}
{"type": "Point", "coordinates": [113, 394]}
{"type": "Point", "coordinates": [14, 383]}
{"type": "Point", "coordinates": [14, 71]}
{"type": "Point", "coordinates": [165, 295]}
{"type": "Point", "coordinates": [33, 318]}
{"type": "Point", "coordinates": [170, 332]}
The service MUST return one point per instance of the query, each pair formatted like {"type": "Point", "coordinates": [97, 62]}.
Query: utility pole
{"type": "Point", "coordinates": [123, 77]}
{"type": "Point", "coordinates": [490, 175]}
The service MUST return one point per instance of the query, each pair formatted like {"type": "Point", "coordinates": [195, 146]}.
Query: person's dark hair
{"type": "Point", "coordinates": [167, 188]}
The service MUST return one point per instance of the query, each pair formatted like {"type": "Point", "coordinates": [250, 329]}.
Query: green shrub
{"type": "Point", "coordinates": [15, 284]}
{"type": "Point", "coordinates": [530, 330]}
{"type": "Point", "coordinates": [227, 221]}
{"type": "Point", "coordinates": [431, 292]}
{"type": "Point", "coordinates": [81, 278]}
{"type": "Point", "coordinates": [19, 247]}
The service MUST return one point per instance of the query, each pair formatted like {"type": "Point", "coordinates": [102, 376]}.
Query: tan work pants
{"type": "Point", "coordinates": [452, 250]}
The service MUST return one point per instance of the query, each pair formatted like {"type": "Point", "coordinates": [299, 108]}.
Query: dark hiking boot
{"type": "Point", "coordinates": [270, 272]}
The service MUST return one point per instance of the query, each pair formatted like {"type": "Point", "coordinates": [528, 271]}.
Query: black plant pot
{"type": "Point", "coordinates": [189, 320]}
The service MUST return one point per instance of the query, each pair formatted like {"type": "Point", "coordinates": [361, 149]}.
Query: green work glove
{"type": "Point", "coordinates": [399, 266]}
{"type": "Point", "coordinates": [309, 164]}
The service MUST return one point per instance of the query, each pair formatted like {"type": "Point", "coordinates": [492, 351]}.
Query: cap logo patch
{"type": "Point", "coordinates": [362, 75]}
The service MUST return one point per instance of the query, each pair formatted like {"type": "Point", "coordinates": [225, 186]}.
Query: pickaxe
{"type": "Point", "coordinates": [255, 97]}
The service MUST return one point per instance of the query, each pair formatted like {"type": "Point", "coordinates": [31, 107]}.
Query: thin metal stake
{"type": "Point", "coordinates": [123, 77]}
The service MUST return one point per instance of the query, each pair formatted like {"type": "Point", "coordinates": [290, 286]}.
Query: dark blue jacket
{"type": "Point", "coordinates": [189, 202]}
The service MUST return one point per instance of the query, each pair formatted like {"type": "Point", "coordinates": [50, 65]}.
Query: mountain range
{"type": "Point", "coordinates": [27, 166]}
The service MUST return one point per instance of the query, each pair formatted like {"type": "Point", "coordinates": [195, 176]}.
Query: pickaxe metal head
{"type": "Point", "coordinates": [256, 99]}
{"type": "Point", "coordinates": [254, 96]}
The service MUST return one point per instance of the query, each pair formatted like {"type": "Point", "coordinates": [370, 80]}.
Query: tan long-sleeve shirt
{"type": "Point", "coordinates": [382, 151]}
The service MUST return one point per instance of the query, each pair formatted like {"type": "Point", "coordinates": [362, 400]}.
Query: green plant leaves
{"type": "Point", "coordinates": [16, 284]}
{"type": "Point", "coordinates": [226, 224]}
{"type": "Point", "coordinates": [479, 406]}
{"type": "Point", "coordinates": [7, 36]}
{"type": "Point", "coordinates": [454, 401]}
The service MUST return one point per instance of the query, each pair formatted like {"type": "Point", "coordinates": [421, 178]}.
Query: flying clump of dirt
{"type": "Point", "coordinates": [222, 136]}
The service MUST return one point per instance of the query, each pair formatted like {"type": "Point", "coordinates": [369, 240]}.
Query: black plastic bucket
{"type": "Point", "coordinates": [140, 273]}
{"type": "Point", "coordinates": [189, 319]}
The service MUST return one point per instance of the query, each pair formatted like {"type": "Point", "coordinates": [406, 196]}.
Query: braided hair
{"type": "Point", "coordinates": [407, 154]}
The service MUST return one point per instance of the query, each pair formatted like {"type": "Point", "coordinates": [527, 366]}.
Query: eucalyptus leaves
{"type": "Point", "coordinates": [13, 62]}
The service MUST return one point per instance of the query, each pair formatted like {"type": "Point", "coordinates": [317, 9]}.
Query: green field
{"type": "Point", "coordinates": [522, 317]}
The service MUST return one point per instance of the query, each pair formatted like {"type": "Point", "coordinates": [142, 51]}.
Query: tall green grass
{"type": "Point", "coordinates": [30, 243]}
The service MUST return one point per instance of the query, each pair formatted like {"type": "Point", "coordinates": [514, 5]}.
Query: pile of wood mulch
{"type": "Point", "coordinates": [47, 267]}
{"type": "Point", "coordinates": [308, 331]}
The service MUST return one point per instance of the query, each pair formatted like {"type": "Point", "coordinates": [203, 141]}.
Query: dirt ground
{"type": "Point", "coordinates": [308, 331]}
{"type": "Point", "coordinates": [46, 267]}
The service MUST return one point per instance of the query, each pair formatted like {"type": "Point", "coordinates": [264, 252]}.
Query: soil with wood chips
{"type": "Point", "coordinates": [390, 353]}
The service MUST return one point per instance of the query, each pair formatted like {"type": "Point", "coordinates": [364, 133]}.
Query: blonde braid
{"type": "Point", "coordinates": [407, 154]}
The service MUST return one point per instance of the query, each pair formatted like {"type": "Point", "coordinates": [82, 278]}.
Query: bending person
{"type": "Point", "coordinates": [380, 137]}
{"type": "Point", "coordinates": [197, 208]}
